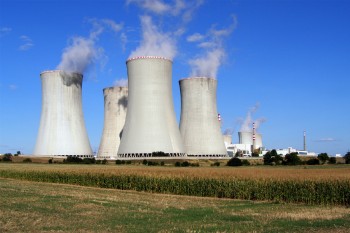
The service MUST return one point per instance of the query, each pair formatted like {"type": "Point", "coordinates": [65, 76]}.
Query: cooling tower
{"type": "Point", "coordinates": [247, 138]}
{"type": "Point", "coordinates": [150, 124]}
{"type": "Point", "coordinates": [227, 139]}
{"type": "Point", "coordinates": [116, 101]}
{"type": "Point", "coordinates": [199, 125]}
{"type": "Point", "coordinates": [62, 129]}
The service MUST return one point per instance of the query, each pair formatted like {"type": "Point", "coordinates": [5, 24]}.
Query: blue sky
{"type": "Point", "coordinates": [287, 60]}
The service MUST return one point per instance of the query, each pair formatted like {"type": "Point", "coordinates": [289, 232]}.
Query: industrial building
{"type": "Point", "coordinates": [150, 124]}
{"type": "Point", "coordinates": [199, 124]}
{"type": "Point", "coordinates": [115, 107]}
{"type": "Point", "coordinates": [62, 130]}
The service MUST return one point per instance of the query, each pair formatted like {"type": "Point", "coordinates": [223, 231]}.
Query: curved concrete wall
{"type": "Point", "coordinates": [62, 129]}
{"type": "Point", "coordinates": [247, 138]}
{"type": "Point", "coordinates": [115, 106]}
{"type": "Point", "coordinates": [199, 125]}
{"type": "Point", "coordinates": [150, 124]}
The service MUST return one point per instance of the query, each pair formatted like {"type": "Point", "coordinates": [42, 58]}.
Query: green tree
{"type": "Point", "coordinates": [292, 159]}
{"type": "Point", "coordinates": [323, 157]}
{"type": "Point", "coordinates": [347, 158]}
{"type": "Point", "coordinates": [234, 162]}
{"type": "Point", "coordinates": [272, 158]}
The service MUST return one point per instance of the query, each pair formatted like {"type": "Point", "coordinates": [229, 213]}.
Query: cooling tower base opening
{"type": "Point", "coordinates": [208, 156]}
{"type": "Point", "coordinates": [65, 156]}
{"type": "Point", "coordinates": [149, 155]}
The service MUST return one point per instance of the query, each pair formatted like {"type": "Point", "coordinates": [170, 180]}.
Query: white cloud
{"type": "Point", "coordinates": [13, 87]}
{"type": "Point", "coordinates": [121, 82]}
{"type": "Point", "coordinates": [4, 31]}
{"type": "Point", "coordinates": [326, 140]}
{"type": "Point", "coordinates": [27, 43]}
{"type": "Point", "coordinates": [195, 37]}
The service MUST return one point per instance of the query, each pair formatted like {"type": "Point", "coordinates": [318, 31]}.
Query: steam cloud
{"type": "Point", "coordinates": [208, 63]}
{"type": "Point", "coordinates": [83, 52]}
{"type": "Point", "coordinates": [154, 42]}
{"type": "Point", "coordinates": [121, 83]}
{"type": "Point", "coordinates": [248, 121]}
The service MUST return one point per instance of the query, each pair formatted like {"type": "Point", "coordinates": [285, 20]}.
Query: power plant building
{"type": "Point", "coordinates": [150, 124]}
{"type": "Point", "coordinates": [62, 129]}
{"type": "Point", "coordinates": [115, 107]}
{"type": "Point", "coordinates": [199, 124]}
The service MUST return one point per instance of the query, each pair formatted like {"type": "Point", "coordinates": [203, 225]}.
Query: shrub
{"type": "Point", "coordinates": [89, 160]}
{"type": "Point", "coordinates": [159, 154]}
{"type": "Point", "coordinates": [313, 161]}
{"type": "Point", "coordinates": [323, 157]}
{"type": "Point", "coordinates": [72, 159]}
{"type": "Point", "coordinates": [245, 162]}
{"type": "Point", "coordinates": [105, 161]}
{"type": "Point", "coordinates": [234, 162]}
{"type": "Point", "coordinates": [255, 154]}
{"type": "Point", "coordinates": [50, 160]}
{"type": "Point", "coordinates": [177, 164]}
{"type": "Point", "coordinates": [27, 160]}
{"type": "Point", "coordinates": [272, 158]}
{"type": "Point", "coordinates": [7, 157]}
{"type": "Point", "coordinates": [217, 164]}
{"type": "Point", "coordinates": [128, 162]}
{"type": "Point", "coordinates": [332, 160]}
{"type": "Point", "coordinates": [118, 162]}
{"type": "Point", "coordinates": [194, 164]}
{"type": "Point", "coordinates": [151, 163]}
{"type": "Point", "coordinates": [98, 161]}
{"type": "Point", "coordinates": [162, 163]}
{"type": "Point", "coordinates": [144, 162]}
{"type": "Point", "coordinates": [185, 164]}
{"type": "Point", "coordinates": [292, 159]}
{"type": "Point", "coordinates": [347, 158]}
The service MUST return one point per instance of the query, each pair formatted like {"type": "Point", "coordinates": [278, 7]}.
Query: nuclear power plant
{"type": "Point", "coordinates": [62, 129]}
{"type": "Point", "coordinates": [150, 124]}
{"type": "Point", "coordinates": [115, 107]}
{"type": "Point", "coordinates": [199, 124]}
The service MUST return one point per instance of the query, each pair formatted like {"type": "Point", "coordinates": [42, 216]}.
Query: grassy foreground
{"type": "Point", "coordinates": [44, 207]}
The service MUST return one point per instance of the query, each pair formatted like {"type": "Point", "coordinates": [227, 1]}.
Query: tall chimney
{"type": "Point", "coordinates": [254, 137]}
{"type": "Point", "coordinates": [304, 140]}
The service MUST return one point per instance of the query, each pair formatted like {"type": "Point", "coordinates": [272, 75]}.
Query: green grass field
{"type": "Point", "coordinates": [44, 207]}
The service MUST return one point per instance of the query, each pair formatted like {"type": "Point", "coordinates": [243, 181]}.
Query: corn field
{"type": "Point", "coordinates": [325, 192]}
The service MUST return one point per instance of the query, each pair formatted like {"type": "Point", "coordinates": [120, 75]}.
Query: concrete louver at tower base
{"type": "Point", "coordinates": [150, 124]}
{"type": "Point", "coordinates": [115, 107]}
{"type": "Point", "coordinates": [199, 124]}
{"type": "Point", "coordinates": [62, 129]}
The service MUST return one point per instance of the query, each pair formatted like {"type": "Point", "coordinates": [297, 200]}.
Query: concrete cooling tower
{"type": "Point", "coordinates": [199, 125]}
{"type": "Point", "coordinates": [247, 138]}
{"type": "Point", "coordinates": [150, 124]}
{"type": "Point", "coordinates": [62, 129]}
{"type": "Point", "coordinates": [115, 106]}
{"type": "Point", "coordinates": [227, 139]}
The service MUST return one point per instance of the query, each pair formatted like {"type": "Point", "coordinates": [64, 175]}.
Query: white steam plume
{"type": "Point", "coordinates": [121, 82]}
{"type": "Point", "coordinates": [247, 124]}
{"type": "Point", "coordinates": [154, 42]}
{"type": "Point", "coordinates": [208, 63]}
{"type": "Point", "coordinates": [83, 52]}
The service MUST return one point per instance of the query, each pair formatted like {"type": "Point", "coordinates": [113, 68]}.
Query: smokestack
{"type": "Point", "coordinates": [200, 122]}
{"type": "Point", "coordinates": [150, 124]}
{"type": "Point", "coordinates": [304, 140]}
{"type": "Point", "coordinates": [254, 142]}
{"type": "Point", "coordinates": [62, 129]}
{"type": "Point", "coordinates": [115, 107]}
